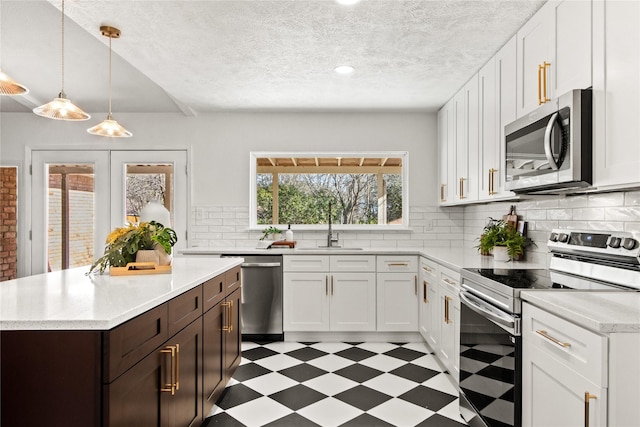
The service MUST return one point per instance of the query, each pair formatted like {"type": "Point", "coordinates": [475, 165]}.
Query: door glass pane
{"type": "Point", "coordinates": [70, 215]}
{"type": "Point", "coordinates": [145, 182]}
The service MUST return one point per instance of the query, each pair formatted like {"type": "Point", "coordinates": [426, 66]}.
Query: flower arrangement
{"type": "Point", "coordinates": [498, 232]}
{"type": "Point", "coordinates": [123, 243]}
{"type": "Point", "coordinates": [270, 230]}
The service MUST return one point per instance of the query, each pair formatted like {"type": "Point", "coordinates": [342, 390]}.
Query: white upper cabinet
{"type": "Point", "coordinates": [465, 105]}
{"type": "Point", "coordinates": [445, 144]}
{"type": "Point", "coordinates": [616, 93]}
{"type": "Point", "coordinates": [554, 53]}
{"type": "Point", "coordinates": [488, 140]}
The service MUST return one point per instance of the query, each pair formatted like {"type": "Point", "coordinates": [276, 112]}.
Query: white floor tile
{"type": "Point", "coordinates": [400, 412]}
{"type": "Point", "coordinates": [259, 412]}
{"type": "Point", "coordinates": [442, 382]}
{"type": "Point", "coordinates": [452, 411]}
{"type": "Point", "coordinates": [331, 347]}
{"type": "Point", "coordinates": [330, 412]}
{"type": "Point", "coordinates": [390, 384]}
{"type": "Point", "coordinates": [215, 410]}
{"type": "Point", "coordinates": [270, 383]}
{"type": "Point", "coordinates": [500, 410]}
{"type": "Point", "coordinates": [330, 384]}
{"type": "Point", "coordinates": [472, 365]}
{"type": "Point", "coordinates": [383, 363]}
{"type": "Point", "coordinates": [417, 346]}
{"type": "Point", "coordinates": [248, 345]}
{"type": "Point", "coordinates": [377, 347]}
{"type": "Point", "coordinates": [330, 362]}
{"type": "Point", "coordinates": [284, 346]}
{"type": "Point", "coordinates": [428, 361]}
{"type": "Point", "coordinates": [278, 362]}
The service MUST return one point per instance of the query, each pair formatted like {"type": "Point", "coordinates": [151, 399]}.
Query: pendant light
{"type": "Point", "coordinates": [109, 127]}
{"type": "Point", "coordinates": [61, 108]}
{"type": "Point", "coordinates": [9, 87]}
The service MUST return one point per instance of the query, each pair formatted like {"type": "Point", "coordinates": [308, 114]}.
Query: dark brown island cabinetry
{"type": "Point", "coordinates": [165, 367]}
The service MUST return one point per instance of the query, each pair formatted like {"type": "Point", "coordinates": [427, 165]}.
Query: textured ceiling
{"type": "Point", "coordinates": [200, 56]}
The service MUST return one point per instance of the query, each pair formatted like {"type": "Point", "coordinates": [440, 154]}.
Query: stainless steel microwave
{"type": "Point", "coordinates": [550, 149]}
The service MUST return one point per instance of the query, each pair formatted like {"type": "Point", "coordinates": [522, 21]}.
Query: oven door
{"type": "Point", "coordinates": [490, 364]}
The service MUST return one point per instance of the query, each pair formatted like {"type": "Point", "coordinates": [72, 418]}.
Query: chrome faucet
{"type": "Point", "coordinates": [330, 239]}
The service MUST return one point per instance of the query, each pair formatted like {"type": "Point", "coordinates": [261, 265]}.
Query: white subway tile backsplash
{"type": "Point", "coordinates": [622, 214]}
{"type": "Point", "coordinates": [606, 199]}
{"type": "Point", "coordinates": [632, 198]}
{"type": "Point", "coordinates": [573, 202]}
{"type": "Point", "coordinates": [588, 214]}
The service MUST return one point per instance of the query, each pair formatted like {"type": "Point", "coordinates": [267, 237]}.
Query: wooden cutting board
{"type": "Point", "coordinates": [511, 218]}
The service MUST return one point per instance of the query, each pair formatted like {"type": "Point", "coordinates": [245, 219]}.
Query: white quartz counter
{"type": "Point", "coordinates": [70, 299]}
{"type": "Point", "coordinates": [453, 258]}
{"type": "Point", "coordinates": [599, 311]}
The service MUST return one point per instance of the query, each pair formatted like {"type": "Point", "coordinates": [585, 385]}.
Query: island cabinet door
{"type": "Point", "coordinates": [163, 389]}
{"type": "Point", "coordinates": [232, 334]}
{"type": "Point", "coordinates": [213, 379]}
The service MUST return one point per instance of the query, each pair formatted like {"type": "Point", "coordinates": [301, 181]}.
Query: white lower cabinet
{"type": "Point", "coordinates": [449, 320]}
{"type": "Point", "coordinates": [429, 315]}
{"type": "Point", "coordinates": [572, 376]}
{"type": "Point", "coordinates": [329, 293]}
{"type": "Point", "coordinates": [397, 284]}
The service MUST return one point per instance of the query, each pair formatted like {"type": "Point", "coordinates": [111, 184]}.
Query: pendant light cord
{"type": "Point", "coordinates": [62, 85]}
{"type": "Point", "coordinates": [110, 39]}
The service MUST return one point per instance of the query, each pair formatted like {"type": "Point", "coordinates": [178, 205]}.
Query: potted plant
{"type": "Point", "coordinates": [124, 243]}
{"type": "Point", "coordinates": [503, 239]}
{"type": "Point", "coordinates": [271, 231]}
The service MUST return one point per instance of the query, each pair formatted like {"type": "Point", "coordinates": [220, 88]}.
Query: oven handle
{"type": "Point", "coordinates": [547, 142]}
{"type": "Point", "coordinates": [486, 310]}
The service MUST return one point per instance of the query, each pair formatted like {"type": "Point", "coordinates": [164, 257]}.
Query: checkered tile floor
{"type": "Point", "coordinates": [337, 384]}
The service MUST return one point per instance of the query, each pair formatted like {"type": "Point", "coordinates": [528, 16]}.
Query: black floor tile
{"type": "Point", "coordinates": [405, 354]}
{"type": "Point", "coordinates": [302, 372]}
{"type": "Point", "coordinates": [258, 353]}
{"type": "Point", "coordinates": [414, 373]}
{"type": "Point", "coordinates": [248, 371]}
{"type": "Point", "coordinates": [427, 397]}
{"type": "Point", "coordinates": [366, 420]}
{"type": "Point", "coordinates": [297, 397]}
{"type": "Point", "coordinates": [439, 421]}
{"type": "Point", "coordinates": [509, 395]}
{"type": "Point", "coordinates": [496, 423]}
{"type": "Point", "coordinates": [237, 395]}
{"type": "Point", "coordinates": [498, 373]}
{"type": "Point", "coordinates": [362, 397]}
{"type": "Point", "coordinates": [480, 401]}
{"type": "Point", "coordinates": [292, 420]}
{"type": "Point", "coordinates": [356, 354]}
{"type": "Point", "coordinates": [223, 420]}
{"type": "Point", "coordinates": [482, 356]}
{"type": "Point", "coordinates": [306, 353]}
{"type": "Point", "coordinates": [358, 373]}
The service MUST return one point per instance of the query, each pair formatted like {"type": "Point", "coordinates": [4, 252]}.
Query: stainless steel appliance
{"type": "Point", "coordinates": [550, 148]}
{"type": "Point", "coordinates": [261, 303]}
{"type": "Point", "coordinates": [490, 336]}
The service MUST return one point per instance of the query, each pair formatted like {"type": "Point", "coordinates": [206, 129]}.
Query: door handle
{"type": "Point", "coordinates": [332, 284]}
{"type": "Point", "coordinates": [171, 386]}
{"type": "Point", "coordinates": [552, 339]}
{"type": "Point", "coordinates": [415, 284]}
{"type": "Point", "coordinates": [545, 65]}
{"type": "Point", "coordinates": [447, 319]}
{"type": "Point", "coordinates": [442, 198]}
{"type": "Point", "coordinates": [492, 181]}
{"type": "Point", "coordinates": [548, 149]}
{"type": "Point", "coordinates": [424, 292]}
{"type": "Point", "coordinates": [587, 397]}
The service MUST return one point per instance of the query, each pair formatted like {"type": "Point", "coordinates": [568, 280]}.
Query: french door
{"type": "Point", "coordinates": [79, 196]}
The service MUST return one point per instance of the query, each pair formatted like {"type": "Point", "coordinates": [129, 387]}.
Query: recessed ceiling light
{"type": "Point", "coordinates": [344, 69]}
{"type": "Point", "coordinates": [347, 2]}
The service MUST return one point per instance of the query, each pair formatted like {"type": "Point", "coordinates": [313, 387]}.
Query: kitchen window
{"type": "Point", "coordinates": [366, 190]}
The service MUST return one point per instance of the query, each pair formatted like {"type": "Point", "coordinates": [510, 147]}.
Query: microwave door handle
{"type": "Point", "coordinates": [547, 141]}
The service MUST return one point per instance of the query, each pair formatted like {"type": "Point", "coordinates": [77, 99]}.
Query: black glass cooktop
{"type": "Point", "coordinates": [519, 279]}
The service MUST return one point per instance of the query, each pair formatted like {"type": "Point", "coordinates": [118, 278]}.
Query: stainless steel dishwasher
{"type": "Point", "coordinates": [261, 303]}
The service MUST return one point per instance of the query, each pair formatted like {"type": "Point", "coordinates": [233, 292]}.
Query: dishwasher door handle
{"type": "Point", "coordinates": [260, 264]}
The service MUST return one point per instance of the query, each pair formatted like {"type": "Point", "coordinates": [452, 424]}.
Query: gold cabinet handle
{"type": "Point", "coordinates": [424, 292]}
{"type": "Point", "coordinates": [556, 341]}
{"type": "Point", "coordinates": [587, 397]}
{"type": "Point", "coordinates": [451, 282]}
{"type": "Point", "coordinates": [227, 326]}
{"type": "Point", "coordinates": [492, 181]}
{"type": "Point", "coordinates": [462, 196]}
{"type": "Point", "coordinates": [427, 269]}
{"type": "Point", "coordinates": [442, 197]}
{"type": "Point", "coordinates": [326, 285]}
{"type": "Point", "coordinates": [230, 316]}
{"type": "Point", "coordinates": [415, 284]}
{"type": "Point", "coordinates": [398, 264]}
{"type": "Point", "coordinates": [177, 383]}
{"type": "Point", "coordinates": [545, 65]}
{"type": "Point", "coordinates": [447, 319]}
{"type": "Point", "coordinates": [171, 386]}
{"type": "Point", "coordinates": [332, 284]}
{"type": "Point", "coordinates": [540, 68]}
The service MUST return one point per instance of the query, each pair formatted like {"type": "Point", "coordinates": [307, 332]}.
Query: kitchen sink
{"type": "Point", "coordinates": [331, 248]}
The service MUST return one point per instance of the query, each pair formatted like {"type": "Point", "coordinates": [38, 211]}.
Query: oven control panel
{"type": "Point", "coordinates": [615, 243]}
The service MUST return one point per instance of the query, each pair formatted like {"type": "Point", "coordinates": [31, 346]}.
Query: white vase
{"type": "Point", "coordinates": [148, 255]}
{"type": "Point", "coordinates": [155, 211]}
{"type": "Point", "coordinates": [163, 257]}
{"type": "Point", "coordinates": [500, 253]}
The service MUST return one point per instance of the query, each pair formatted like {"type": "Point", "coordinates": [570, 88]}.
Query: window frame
{"type": "Point", "coordinates": [253, 203]}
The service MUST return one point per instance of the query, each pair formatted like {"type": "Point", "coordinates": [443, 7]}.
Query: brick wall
{"type": "Point", "coordinates": [8, 223]}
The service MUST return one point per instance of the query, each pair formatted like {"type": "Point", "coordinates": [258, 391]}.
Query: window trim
{"type": "Point", "coordinates": [253, 203]}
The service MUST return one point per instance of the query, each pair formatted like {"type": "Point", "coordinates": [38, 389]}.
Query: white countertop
{"type": "Point", "coordinates": [70, 299]}
{"type": "Point", "coordinates": [453, 258]}
{"type": "Point", "coordinates": [600, 311]}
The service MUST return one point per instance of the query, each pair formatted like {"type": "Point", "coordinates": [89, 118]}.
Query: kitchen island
{"type": "Point", "coordinates": [102, 350]}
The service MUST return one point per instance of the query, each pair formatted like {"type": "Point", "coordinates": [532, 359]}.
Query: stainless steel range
{"type": "Point", "coordinates": [490, 341]}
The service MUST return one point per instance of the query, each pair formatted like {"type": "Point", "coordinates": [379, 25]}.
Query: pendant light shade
{"type": "Point", "coordinates": [61, 108]}
{"type": "Point", "coordinates": [9, 87]}
{"type": "Point", "coordinates": [110, 127]}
